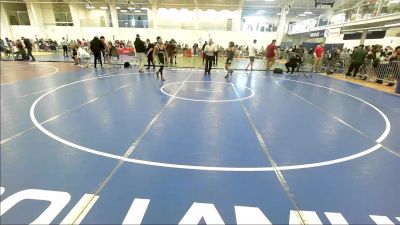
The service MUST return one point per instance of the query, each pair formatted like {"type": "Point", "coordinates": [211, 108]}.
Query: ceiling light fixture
{"type": "Point", "coordinates": [308, 13]}
{"type": "Point", "coordinates": [118, 7]}
{"type": "Point", "coordinates": [302, 15]}
{"type": "Point", "coordinates": [261, 11]}
{"type": "Point", "coordinates": [144, 8]}
{"type": "Point", "coordinates": [123, 10]}
{"type": "Point", "coordinates": [137, 10]}
{"type": "Point", "coordinates": [103, 7]}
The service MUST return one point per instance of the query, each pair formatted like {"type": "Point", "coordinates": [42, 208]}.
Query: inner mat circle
{"type": "Point", "coordinates": [208, 91]}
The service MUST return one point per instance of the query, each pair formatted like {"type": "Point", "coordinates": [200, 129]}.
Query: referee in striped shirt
{"type": "Point", "coordinates": [209, 50]}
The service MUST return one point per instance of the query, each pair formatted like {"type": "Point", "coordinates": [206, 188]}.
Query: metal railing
{"type": "Point", "coordinates": [378, 72]}
{"type": "Point", "coordinates": [388, 71]}
{"type": "Point", "coordinates": [356, 13]}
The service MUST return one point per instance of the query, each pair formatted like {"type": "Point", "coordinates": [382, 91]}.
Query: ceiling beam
{"type": "Point", "coordinates": [241, 3]}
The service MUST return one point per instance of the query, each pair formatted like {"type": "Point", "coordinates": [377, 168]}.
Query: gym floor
{"type": "Point", "coordinates": [116, 146]}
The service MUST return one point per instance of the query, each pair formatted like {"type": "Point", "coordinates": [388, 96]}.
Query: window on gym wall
{"type": "Point", "coordinates": [260, 20]}
{"type": "Point", "coordinates": [210, 19]}
{"type": "Point", "coordinates": [98, 16]}
{"type": "Point", "coordinates": [259, 24]}
{"type": "Point", "coordinates": [172, 18]}
{"type": "Point", "coordinates": [136, 19]}
{"type": "Point", "coordinates": [62, 14]}
{"type": "Point", "coordinates": [17, 13]}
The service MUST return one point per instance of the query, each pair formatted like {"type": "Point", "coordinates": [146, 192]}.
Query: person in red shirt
{"type": "Point", "coordinates": [271, 54]}
{"type": "Point", "coordinates": [318, 55]}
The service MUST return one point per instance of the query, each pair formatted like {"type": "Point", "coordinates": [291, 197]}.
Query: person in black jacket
{"type": "Point", "coordinates": [149, 53]}
{"type": "Point", "coordinates": [140, 48]}
{"type": "Point", "coordinates": [202, 51]}
{"type": "Point", "coordinates": [28, 46]}
{"type": "Point", "coordinates": [294, 61]}
{"type": "Point", "coordinates": [97, 47]}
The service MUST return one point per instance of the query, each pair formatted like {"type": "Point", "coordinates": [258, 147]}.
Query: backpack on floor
{"type": "Point", "coordinates": [127, 65]}
{"type": "Point", "coordinates": [278, 70]}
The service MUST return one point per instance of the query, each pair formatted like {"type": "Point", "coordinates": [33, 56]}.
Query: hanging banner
{"type": "Point", "coordinates": [317, 34]}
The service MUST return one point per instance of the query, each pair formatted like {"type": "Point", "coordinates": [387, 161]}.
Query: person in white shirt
{"type": "Point", "coordinates": [252, 54]}
{"type": "Point", "coordinates": [64, 45]}
{"type": "Point", "coordinates": [83, 57]}
{"type": "Point", "coordinates": [209, 50]}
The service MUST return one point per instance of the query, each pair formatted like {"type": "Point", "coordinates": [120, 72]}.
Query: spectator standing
{"type": "Point", "coordinates": [357, 59]}
{"type": "Point", "coordinates": [171, 50]}
{"type": "Point", "coordinates": [252, 54]}
{"type": "Point", "coordinates": [149, 54]}
{"type": "Point", "coordinates": [64, 44]}
{"type": "Point", "coordinates": [28, 46]}
{"type": "Point", "coordinates": [216, 55]}
{"type": "Point", "coordinates": [271, 54]}
{"type": "Point", "coordinates": [202, 50]}
{"type": "Point", "coordinates": [333, 60]}
{"type": "Point", "coordinates": [140, 48]}
{"type": "Point", "coordinates": [318, 56]}
{"type": "Point", "coordinates": [106, 50]}
{"type": "Point", "coordinates": [97, 47]}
